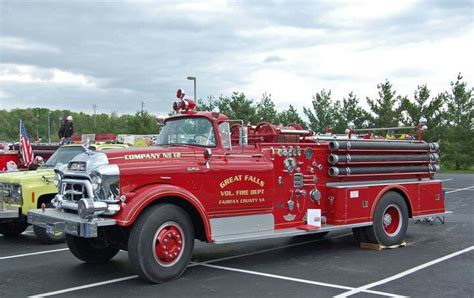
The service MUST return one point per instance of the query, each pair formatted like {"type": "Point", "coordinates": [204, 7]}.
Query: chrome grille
{"type": "Point", "coordinates": [76, 189]}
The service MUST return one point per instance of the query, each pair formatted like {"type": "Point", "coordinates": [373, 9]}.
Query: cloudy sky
{"type": "Point", "coordinates": [73, 54]}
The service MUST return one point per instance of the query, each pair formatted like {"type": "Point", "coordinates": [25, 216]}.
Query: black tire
{"type": "Point", "coordinates": [390, 220]}
{"type": "Point", "coordinates": [13, 228]}
{"type": "Point", "coordinates": [90, 250]}
{"type": "Point", "coordinates": [359, 234]}
{"type": "Point", "coordinates": [46, 238]}
{"type": "Point", "coordinates": [161, 243]}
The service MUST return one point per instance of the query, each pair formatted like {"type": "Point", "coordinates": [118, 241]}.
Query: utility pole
{"type": "Point", "coordinates": [49, 126]}
{"type": "Point", "coordinates": [143, 115]}
{"type": "Point", "coordinates": [95, 107]}
{"type": "Point", "coordinates": [37, 125]}
{"type": "Point", "coordinates": [194, 81]}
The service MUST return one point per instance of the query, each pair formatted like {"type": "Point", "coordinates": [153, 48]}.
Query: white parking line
{"type": "Point", "coordinates": [444, 180]}
{"type": "Point", "coordinates": [101, 283]}
{"type": "Point", "coordinates": [193, 264]}
{"type": "Point", "coordinates": [460, 189]}
{"type": "Point", "coordinates": [317, 283]}
{"type": "Point", "coordinates": [404, 273]}
{"type": "Point", "coordinates": [33, 253]}
{"type": "Point", "coordinates": [271, 249]}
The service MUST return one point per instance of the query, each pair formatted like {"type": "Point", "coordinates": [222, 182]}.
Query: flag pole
{"type": "Point", "coordinates": [19, 146]}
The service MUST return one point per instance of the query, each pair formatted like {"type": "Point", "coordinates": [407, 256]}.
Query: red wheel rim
{"type": "Point", "coordinates": [392, 220]}
{"type": "Point", "coordinates": [168, 244]}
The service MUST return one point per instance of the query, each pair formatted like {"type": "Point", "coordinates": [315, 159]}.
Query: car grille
{"type": "Point", "coordinates": [74, 190]}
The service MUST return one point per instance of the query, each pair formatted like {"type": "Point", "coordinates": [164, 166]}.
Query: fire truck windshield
{"type": "Point", "coordinates": [197, 131]}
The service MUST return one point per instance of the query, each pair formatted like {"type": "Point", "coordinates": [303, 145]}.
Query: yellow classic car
{"type": "Point", "coordinates": [25, 190]}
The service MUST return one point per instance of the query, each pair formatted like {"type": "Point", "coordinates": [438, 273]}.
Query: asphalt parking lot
{"type": "Point", "coordinates": [438, 261]}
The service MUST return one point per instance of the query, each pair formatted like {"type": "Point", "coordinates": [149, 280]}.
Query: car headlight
{"type": "Point", "coordinates": [58, 176]}
{"type": "Point", "coordinates": [105, 182]}
{"type": "Point", "coordinates": [96, 181]}
{"type": "Point", "coordinates": [12, 193]}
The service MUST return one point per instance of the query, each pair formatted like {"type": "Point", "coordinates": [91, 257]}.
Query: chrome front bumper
{"type": "Point", "coordinates": [9, 211]}
{"type": "Point", "coordinates": [54, 220]}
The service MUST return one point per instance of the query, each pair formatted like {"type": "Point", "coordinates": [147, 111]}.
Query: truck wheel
{"type": "Point", "coordinates": [90, 250]}
{"type": "Point", "coordinates": [390, 220]}
{"type": "Point", "coordinates": [161, 243]}
{"type": "Point", "coordinates": [13, 228]}
{"type": "Point", "coordinates": [47, 238]}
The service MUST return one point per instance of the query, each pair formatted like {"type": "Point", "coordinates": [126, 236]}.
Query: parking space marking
{"type": "Point", "coordinates": [444, 180]}
{"type": "Point", "coordinates": [271, 249]}
{"type": "Point", "coordinates": [101, 283]}
{"type": "Point", "coordinates": [192, 264]}
{"type": "Point", "coordinates": [460, 189]}
{"type": "Point", "coordinates": [317, 283]}
{"type": "Point", "coordinates": [33, 253]}
{"type": "Point", "coordinates": [405, 273]}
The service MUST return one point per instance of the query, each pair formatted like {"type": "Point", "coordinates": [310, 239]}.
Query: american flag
{"type": "Point", "coordinates": [25, 146]}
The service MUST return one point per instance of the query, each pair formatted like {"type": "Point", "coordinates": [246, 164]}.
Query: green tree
{"type": "Point", "coordinates": [458, 136]}
{"type": "Point", "coordinates": [290, 116]}
{"type": "Point", "coordinates": [385, 109]}
{"type": "Point", "coordinates": [323, 114]}
{"type": "Point", "coordinates": [143, 123]}
{"type": "Point", "coordinates": [350, 111]}
{"type": "Point", "coordinates": [265, 109]}
{"type": "Point", "coordinates": [207, 105]}
{"type": "Point", "coordinates": [238, 107]}
{"type": "Point", "coordinates": [424, 106]}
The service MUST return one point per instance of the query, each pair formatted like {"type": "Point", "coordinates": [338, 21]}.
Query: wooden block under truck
{"type": "Point", "coordinates": [219, 181]}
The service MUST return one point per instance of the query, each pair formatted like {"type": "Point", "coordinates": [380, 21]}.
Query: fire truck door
{"type": "Point", "coordinates": [242, 183]}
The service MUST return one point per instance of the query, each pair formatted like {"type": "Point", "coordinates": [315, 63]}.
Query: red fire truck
{"type": "Point", "coordinates": [220, 181]}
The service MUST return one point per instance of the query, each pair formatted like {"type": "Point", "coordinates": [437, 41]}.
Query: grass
{"type": "Point", "coordinates": [445, 169]}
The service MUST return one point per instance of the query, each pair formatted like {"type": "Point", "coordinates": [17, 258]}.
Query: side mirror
{"type": "Point", "coordinates": [207, 156]}
{"type": "Point", "coordinates": [243, 136]}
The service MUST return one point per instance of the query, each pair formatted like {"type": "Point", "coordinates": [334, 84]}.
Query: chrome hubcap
{"type": "Point", "coordinates": [387, 220]}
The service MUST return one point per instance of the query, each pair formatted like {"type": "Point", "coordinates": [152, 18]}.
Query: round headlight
{"type": "Point", "coordinates": [57, 179]}
{"type": "Point", "coordinates": [96, 181]}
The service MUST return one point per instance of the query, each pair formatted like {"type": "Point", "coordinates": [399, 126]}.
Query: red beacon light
{"type": "Point", "coordinates": [183, 105]}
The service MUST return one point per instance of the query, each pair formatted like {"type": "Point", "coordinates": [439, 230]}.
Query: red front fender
{"type": "Point", "coordinates": [136, 202]}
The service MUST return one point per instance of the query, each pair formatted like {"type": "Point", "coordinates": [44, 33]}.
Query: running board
{"type": "Point", "coordinates": [260, 235]}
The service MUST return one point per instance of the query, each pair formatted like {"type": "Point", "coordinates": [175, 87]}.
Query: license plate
{"type": "Point", "coordinates": [50, 229]}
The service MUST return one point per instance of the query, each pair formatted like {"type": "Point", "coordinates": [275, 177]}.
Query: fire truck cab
{"type": "Point", "coordinates": [223, 181]}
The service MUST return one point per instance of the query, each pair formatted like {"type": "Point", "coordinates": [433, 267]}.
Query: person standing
{"type": "Point", "coordinates": [66, 131]}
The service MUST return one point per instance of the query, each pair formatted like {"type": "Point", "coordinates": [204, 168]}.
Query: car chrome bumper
{"type": "Point", "coordinates": [57, 221]}
{"type": "Point", "coordinates": [9, 212]}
